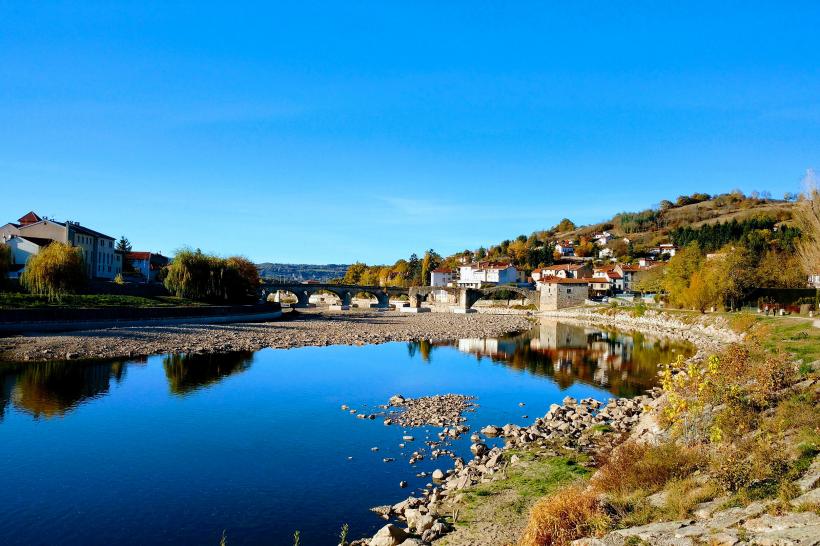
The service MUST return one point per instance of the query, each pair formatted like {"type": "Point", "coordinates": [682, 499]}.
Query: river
{"type": "Point", "coordinates": [175, 449]}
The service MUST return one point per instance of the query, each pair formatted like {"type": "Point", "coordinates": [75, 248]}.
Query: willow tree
{"type": "Point", "coordinates": [5, 262]}
{"type": "Point", "coordinates": [56, 270]}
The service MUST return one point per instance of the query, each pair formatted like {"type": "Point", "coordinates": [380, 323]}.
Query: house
{"type": "Point", "coordinates": [634, 273]}
{"type": "Point", "coordinates": [101, 259]}
{"type": "Point", "coordinates": [615, 279]}
{"type": "Point", "coordinates": [564, 271]}
{"type": "Point", "coordinates": [559, 293]}
{"type": "Point", "coordinates": [599, 286]}
{"type": "Point", "coordinates": [667, 249]}
{"type": "Point", "coordinates": [565, 248]}
{"type": "Point", "coordinates": [480, 274]}
{"type": "Point", "coordinates": [606, 254]}
{"type": "Point", "coordinates": [602, 239]}
{"type": "Point", "coordinates": [147, 264]}
{"type": "Point", "coordinates": [814, 280]}
{"type": "Point", "coordinates": [442, 276]}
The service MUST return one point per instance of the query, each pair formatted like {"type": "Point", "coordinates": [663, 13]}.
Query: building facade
{"type": "Point", "coordinates": [486, 273]}
{"type": "Point", "coordinates": [557, 293]}
{"type": "Point", "coordinates": [442, 277]}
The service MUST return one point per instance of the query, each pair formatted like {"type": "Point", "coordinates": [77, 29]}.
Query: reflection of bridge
{"type": "Point", "coordinates": [465, 297]}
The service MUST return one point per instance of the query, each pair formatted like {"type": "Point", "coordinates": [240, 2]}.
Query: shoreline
{"type": "Point", "coordinates": [306, 328]}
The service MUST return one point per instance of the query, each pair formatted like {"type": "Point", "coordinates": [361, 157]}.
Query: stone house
{"type": "Point", "coordinates": [558, 293]}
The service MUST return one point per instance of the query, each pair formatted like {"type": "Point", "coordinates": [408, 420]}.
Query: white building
{"type": "Point", "coordinates": [101, 259]}
{"type": "Point", "coordinates": [814, 280]}
{"type": "Point", "coordinates": [442, 277]}
{"type": "Point", "coordinates": [486, 273]}
{"type": "Point", "coordinates": [565, 248]}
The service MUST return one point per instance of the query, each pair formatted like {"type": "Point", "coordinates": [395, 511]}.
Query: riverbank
{"type": "Point", "coordinates": [300, 329]}
{"type": "Point", "coordinates": [744, 470]}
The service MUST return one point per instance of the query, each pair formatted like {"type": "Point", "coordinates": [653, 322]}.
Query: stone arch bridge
{"type": "Point", "coordinates": [465, 297]}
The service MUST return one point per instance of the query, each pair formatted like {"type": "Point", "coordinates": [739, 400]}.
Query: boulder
{"type": "Point", "coordinates": [438, 475]}
{"type": "Point", "coordinates": [389, 535]}
{"type": "Point", "coordinates": [478, 449]}
{"type": "Point", "coordinates": [396, 400]}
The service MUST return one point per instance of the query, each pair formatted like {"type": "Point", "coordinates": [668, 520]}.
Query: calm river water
{"type": "Point", "coordinates": [175, 449]}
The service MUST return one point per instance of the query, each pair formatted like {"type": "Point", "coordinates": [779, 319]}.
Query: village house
{"type": "Point", "coordinates": [559, 293]}
{"type": "Point", "coordinates": [664, 250]}
{"type": "Point", "coordinates": [101, 259]}
{"type": "Point", "coordinates": [442, 276]}
{"type": "Point", "coordinates": [481, 274]}
{"type": "Point", "coordinates": [147, 264]}
{"type": "Point", "coordinates": [564, 271]}
{"type": "Point", "coordinates": [565, 248]}
{"type": "Point", "coordinates": [814, 280]}
{"type": "Point", "coordinates": [602, 239]}
{"type": "Point", "coordinates": [632, 274]}
{"type": "Point", "coordinates": [615, 279]}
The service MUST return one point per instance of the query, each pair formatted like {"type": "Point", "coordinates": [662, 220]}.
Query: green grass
{"type": "Point", "coordinates": [798, 337]}
{"type": "Point", "coordinates": [525, 483]}
{"type": "Point", "coordinates": [16, 300]}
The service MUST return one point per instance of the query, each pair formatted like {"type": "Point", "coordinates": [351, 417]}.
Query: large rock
{"type": "Point", "coordinates": [478, 449]}
{"type": "Point", "coordinates": [389, 535]}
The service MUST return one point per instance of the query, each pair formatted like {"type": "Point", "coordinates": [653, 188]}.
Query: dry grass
{"type": "Point", "coordinates": [564, 516]}
{"type": "Point", "coordinates": [633, 466]}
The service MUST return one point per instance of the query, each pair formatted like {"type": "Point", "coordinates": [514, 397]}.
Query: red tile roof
{"type": "Point", "coordinates": [30, 218]}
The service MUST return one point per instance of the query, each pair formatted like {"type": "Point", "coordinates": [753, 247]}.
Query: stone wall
{"type": "Point", "coordinates": [555, 296]}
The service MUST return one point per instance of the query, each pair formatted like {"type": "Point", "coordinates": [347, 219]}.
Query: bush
{"type": "Point", "coordinates": [57, 270]}
{"type": "Point", "coordinates": [564, 516]}
{"type": "Point", "coordinates": [5, 262]}
{"type": "Point", "coordinates": [203, 277]}
{"type": "Point", "coordinates": [633, 466]}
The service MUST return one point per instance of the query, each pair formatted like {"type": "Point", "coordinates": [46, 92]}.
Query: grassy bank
{"type": "Point", "coordinates": [17, 300]}
{"type": "Point", "coordinates": [739, 428]}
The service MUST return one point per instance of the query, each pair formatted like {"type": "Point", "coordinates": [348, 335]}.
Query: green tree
{"type": "Point", "coordinates": [56, 270]}
{"type": "Point", "coordinates": [203, 277]}
{"type": "Point", "coordinates": [354, 273]}
{"type": "Point", "coordinates": [431, 261]}
{"type": "Point", "coordinates": [124, 245]}
{"type": "Point", "coordinates": [5, 262]}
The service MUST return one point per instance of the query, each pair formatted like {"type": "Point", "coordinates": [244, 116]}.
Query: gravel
{"type": "Point", "coordinates": [305, 328]}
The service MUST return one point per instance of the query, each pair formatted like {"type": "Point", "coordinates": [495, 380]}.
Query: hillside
{"type": "Point", "coordinates": [660, 221]}
{"type": "Point", "coordinates": [301, 272]}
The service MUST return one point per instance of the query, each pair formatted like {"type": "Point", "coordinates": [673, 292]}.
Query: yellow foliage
{"type": "Point", "coordinates": [58, 269]}
{"type": "Point", "coordinates": [560, 518]}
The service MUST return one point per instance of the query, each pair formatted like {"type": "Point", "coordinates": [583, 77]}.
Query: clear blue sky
{"type": "Point", "coordinates": [368, 130]}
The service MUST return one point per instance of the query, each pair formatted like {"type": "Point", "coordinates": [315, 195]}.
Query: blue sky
{"type": "Point", "coordinates": [330, 132]}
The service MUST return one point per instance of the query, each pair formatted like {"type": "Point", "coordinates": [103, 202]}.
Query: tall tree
{"type": "Point", "coordinates": [808, 217]}
{"type": "Point", "coordinates": [124, 245]}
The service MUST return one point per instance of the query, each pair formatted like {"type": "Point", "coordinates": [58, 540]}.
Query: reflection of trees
{"type": "Point", "coordinates": [424, 347]}
{"type": "Point", "coordinates": [53, 388]}
{"type": "Point", "coordinates": [624, 364]}
{"type": "Point", "coordinates": [188, 372]}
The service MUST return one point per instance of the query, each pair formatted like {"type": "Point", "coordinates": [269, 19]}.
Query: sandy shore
{"type": "Point", "coordinates": [305, 328]}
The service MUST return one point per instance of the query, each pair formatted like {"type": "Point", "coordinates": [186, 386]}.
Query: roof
{"type": "Point", "coordinates": [443, 270]}
{"type": "Point", "coordinates": [490, 265]}
{"type": "Point", "coordinates": [85, 230]}
{"type": "Point", "coordinates": [561, 280]}
{"type": "Point", "coordinates": [30, 218]}
{"type": "Point", "coordinates": [138, 255]}
{"type": "Point", "coordinates": [563, 267]}
{"type": "Point", "coordinates": [39, 241]}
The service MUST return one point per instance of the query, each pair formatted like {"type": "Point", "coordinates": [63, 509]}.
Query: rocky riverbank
{"type": "Point", "coordinates": [585, 427]}
{"type": "Point", "coordinates": [709, 333]}
{"type": "Point", "coordinates": [305, 328]}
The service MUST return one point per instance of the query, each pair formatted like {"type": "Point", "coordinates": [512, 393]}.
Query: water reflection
{"type": "Point", "coordinates": [624, 364]}
{"type": "Point", "coordinates": [50, 389]}
{"type": "Point", "coordinates": [189, 372]}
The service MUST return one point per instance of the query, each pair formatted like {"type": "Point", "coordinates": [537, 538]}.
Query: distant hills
{"type": "Point", "coordinates": [301, 272]}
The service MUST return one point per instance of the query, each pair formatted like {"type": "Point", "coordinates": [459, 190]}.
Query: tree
{"type": "Point", "coordinates": [56, 270]}
{"type": "Point", "coordinates": [651, 281]}
{"type": "Point", "coordinates": [808, 218]}
{"type": "Point", "coordinates": [203, 277]}
{"type": "Point", "coordinates": [354, 273]}
{"type": "Point", "coordinates": [124, 245]}
{"type": "Point", "coordinates": [565, 225]}
{"type": "Point", "coordinates": [414, 265]}
{"type": "Point", "coordinates": [430, 262]}
{"type": "Point", "coordinates": [5, 262]}
{"type": "Point", "coordinates": [679, 273]}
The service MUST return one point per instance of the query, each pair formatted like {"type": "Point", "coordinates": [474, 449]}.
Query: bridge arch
{"type": "Point", "coordinates": [470, 296]}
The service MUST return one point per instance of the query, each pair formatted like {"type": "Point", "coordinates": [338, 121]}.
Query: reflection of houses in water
{"type": "Point", "coordinates": [624, 364]}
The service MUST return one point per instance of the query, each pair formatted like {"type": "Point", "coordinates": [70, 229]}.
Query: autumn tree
{"type": "Point", "coordinates": [679, 273]}
{"type": "Point", "coordinates": [808, 218]}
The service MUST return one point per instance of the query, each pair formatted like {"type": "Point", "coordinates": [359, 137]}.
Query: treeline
{"type": "Point", "coordinates": [203, 277]}
{"type": "Point", "coordinates": [756, 233]}
{"type": "Point", "coordinates": [403, 273]}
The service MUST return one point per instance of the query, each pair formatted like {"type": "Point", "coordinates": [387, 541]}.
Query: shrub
{"type": "Point", "coordinates": [5, 262]}
{"type": "Point", "coordinates": [119, 280]}
{"type": "Point", "coordinates": [564, 516]}
{"type": "Point", "coordinates": [57, 270]}
{"type": "Point", "coordinates": [633, 466]}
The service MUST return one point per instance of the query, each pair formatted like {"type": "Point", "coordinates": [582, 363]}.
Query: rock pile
{"type": "Point", "coordinates": [443, 410]}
